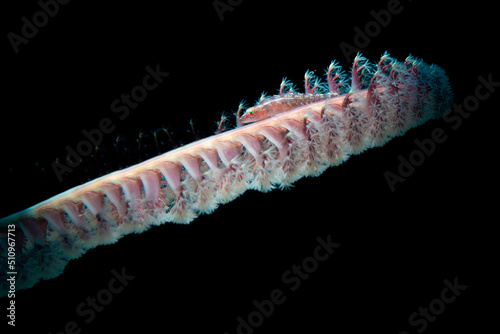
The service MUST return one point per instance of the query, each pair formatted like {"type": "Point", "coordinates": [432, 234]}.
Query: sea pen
{"type": "Point", "coordinates": [288, 136]}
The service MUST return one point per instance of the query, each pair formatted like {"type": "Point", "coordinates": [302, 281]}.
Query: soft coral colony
{"type": "Point", "coordinates": [289, 136]}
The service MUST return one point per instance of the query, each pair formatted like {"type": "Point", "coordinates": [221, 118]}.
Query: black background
{"type": "Point", "coordinates": [396, 247]}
